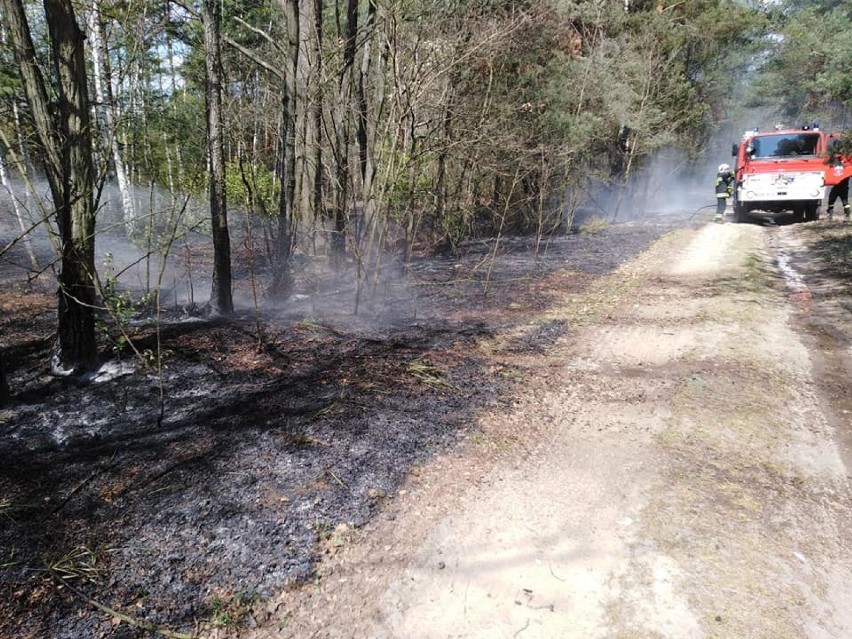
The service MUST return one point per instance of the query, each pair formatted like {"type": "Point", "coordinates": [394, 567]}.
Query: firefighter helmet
{"type": "Point", "coordinates": [723, 168]}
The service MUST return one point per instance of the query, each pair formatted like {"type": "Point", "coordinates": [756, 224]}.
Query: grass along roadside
{"type": "Point", "coordinates": [740, 504]}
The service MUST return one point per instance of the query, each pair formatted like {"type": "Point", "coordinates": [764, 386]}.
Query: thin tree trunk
{"type": "Point", "coordinates": [305, 81]}
{"type": "Point", "coordinates": [19, 215]}
{"type": "Point", "coordinates": [105, 109]}
{"type": "Point", "coordinates": [365, 156]}
{"type": "Point", "coordinates": [45, 215]}
{"type": "Point", "coordinates": [67, 150]}
{"type": "Point", "coordinates": [173, 74]}
{"type": "Point", "coordinates": [317, 112]}
{"type": "Point", "coordinates": [77, 345]}
{"type": "Point", "coordinates": [445, 144]}
{"type": "Point", "coordinates": [4, 175]}
{"type": "Point", "coordinates": [281, 272]}
{"type": "Point", "coordinates": [344, 136]}
{"type": "Point", "coordinates": [26, 171]}
{"type": "Point", "coordinates": [221, 299]}
{"type": "Point", "coordinates": [27, 166]}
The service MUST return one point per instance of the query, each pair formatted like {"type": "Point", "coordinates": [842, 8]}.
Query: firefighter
{"type": "Point", "coordinates": [839, 191]}
{"type": "Point", "coordinates": [724, 188]}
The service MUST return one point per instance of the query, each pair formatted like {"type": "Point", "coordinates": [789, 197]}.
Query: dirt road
{"type": "Point", "coordinates": [676, 466]}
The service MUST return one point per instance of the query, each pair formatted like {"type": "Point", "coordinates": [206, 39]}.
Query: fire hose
{"type": "Point", "coordinates": [695, 212]}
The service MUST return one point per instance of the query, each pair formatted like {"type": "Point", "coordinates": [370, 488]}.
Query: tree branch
{"type": "Point", "coordinates": [251, 56]}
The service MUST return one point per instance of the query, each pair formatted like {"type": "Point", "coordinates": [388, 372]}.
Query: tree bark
{"type": "Point", "coordinates": [343, 138]}
{"type": "Point", "coordinates": [364, 155]}
{"type": "Point", "coordinates": [317, 114]}
{"type": "Point", "coordinates": [221, 297]}
{"type": "Point", "coordinates": [67, 149]}
{"type": "Point", "coordinates": [281, 271]}
{"type": "Point", "coordinates": [365, 131]}
{"type": "Point", "coordinates": [35, 89]}
{"type": "Point", "coordinates": [105, 109]}
{"type": "Point", "coordinates": [77, 346]}
{"type": "Point", "coordinates": [306, 81]}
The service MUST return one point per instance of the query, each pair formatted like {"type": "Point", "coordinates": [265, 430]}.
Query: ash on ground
{"type": "Point", "coordinates": [161, 489]}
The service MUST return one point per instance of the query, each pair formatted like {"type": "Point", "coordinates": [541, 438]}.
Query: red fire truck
{"type": "Point", "coordinates": [786, 170]}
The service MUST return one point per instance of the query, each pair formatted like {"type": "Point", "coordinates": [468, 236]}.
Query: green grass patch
{"type": "Point", "coordinates": [231, 611]}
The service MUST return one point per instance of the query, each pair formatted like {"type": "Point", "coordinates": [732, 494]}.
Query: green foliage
{"type": "Point", "coordinates": [232, 611]}
{"type": "Point", "coordinates": [843, 145]}
{"type": "Point", "coordinates": [516, 100]}
{"type": "Point", "coordinates": [10, 84]}
{"type": "Point", "coordinates": [253, 187]}
{"type": "Point", "coordinates": [175, 135]}
{"type": "Point", "coordinates": [120, 307]}
{"type": "Point", "coordinates": [568, 77]}
{"type": "Point", "coordinates": [808, 61]}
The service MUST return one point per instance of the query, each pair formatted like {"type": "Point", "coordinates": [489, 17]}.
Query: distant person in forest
{"type": "Point", "coordinates": [841, 192]}
{"type": "Point", "coordinates": [724, 188]}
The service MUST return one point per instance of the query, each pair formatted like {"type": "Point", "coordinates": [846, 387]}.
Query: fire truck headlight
{"type": "Point", "coordinates": [750, 195]}
{"type": "Point", "coordinates": [815, 193]}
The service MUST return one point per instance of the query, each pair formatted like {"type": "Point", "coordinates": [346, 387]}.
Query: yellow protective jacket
{"type": "Point", "coordinates": [724, 183]}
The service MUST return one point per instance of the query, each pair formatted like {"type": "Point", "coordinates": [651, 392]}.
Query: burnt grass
{"type": "Point", "coordinates": [163, 495]}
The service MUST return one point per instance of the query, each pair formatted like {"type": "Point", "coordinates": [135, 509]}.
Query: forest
{"type": "Point", "coordinates": [351, 129]}
{"type": "Point", "coordinates": [175, 177]}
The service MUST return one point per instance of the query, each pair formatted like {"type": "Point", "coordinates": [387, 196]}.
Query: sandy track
{"type": "Point", "coordinates": [672, 468]}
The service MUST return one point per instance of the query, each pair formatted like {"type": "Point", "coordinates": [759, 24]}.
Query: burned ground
{"type": "Point", "coordinates": [162, 493]}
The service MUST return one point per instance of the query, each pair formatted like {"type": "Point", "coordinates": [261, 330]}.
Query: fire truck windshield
{"type": "Point", "coordinates": [784, 145]}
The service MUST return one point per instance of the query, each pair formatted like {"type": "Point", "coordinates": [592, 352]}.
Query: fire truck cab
{"type": "Point", "coordinates": [784, 170]}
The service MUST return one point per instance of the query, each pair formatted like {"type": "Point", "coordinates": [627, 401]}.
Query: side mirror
{"type": "Point", "coordinates": [735, 149]}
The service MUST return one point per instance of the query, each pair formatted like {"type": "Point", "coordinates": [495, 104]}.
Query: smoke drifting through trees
{"type": "Point", "coordinates": [668, 183]}
{"type": "Point", "coordinates": [396, 128]}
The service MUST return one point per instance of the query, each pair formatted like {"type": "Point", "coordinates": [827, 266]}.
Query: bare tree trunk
{"type": "Point", "coordinates": [137, 142]}
{"type": "Point", "coordinates": [23, 160]}
{"type": "Point", "coordinates": [77, 345]}
{"type": "Point", "coordinates": [27, 165]}
{"type": "Point", "coordinates": [281, 272]}
{"type": "Point", "coordinates": [19, 215]}
{"type": "Point", "coordinates": [306, 80]}
{"type": "Point", "coordinates": [173, 74]}
{"type": "Point", "coordinates": [26, 170]}
{"type": "Point", "coordinates": [4, 176]}
{"type": "Point", "coordinates": [105, 109]}
{"type": "Point", "coordinates": [67, 147]}
{"type": "Point", "coordinates": [364, 132]}
{"type": "Point", "coordinates": [221, 298]}
{"type": "Point", "coordinates": [343, 138]}
{"type": "Point", "coordinates": [445, 145]}
{"type": "Point", "coordinates": [317, 112]}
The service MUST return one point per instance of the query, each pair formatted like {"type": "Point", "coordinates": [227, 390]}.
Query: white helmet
{"type": "Point", "coordinates": [723, 168]}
